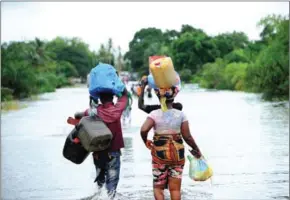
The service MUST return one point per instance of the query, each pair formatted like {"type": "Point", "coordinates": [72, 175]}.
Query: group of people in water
{"type": "Point", "coordinates": [171, 128]}
{"type": "Point", "coordinates": [135, 91]}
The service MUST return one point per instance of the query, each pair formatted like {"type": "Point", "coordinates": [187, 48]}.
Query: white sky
{"type": "Point", "coordinates": [95, 22]}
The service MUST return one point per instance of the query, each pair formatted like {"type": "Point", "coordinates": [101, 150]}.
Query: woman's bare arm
{"type": "Point", "coordinates": [146, 127]}
{"type": "Point", "coordinates": [141, 98]}
{"type": "Point", "coordinates": [141, 106]}
{"type": "Point", "coordinates": [185, 132]}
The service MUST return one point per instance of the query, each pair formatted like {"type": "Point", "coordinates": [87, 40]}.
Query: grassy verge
{"type": "Point", "coordinates": [12, 105]}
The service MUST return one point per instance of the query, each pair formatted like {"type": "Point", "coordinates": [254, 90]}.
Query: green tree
{"type": "Point", "coordinates": [213, 75]}
{"type": "Point", "coordinates": [144, 40]}
{"type": "Point", "coordinates": [234, 76]}
{"type": "Point", "coordinates": [106, 54]}
{"type": "Point", "coordinates": [237, 55]}
{"type": "Point", "coordinates": [270, 25]}
{"type": "Point", "coordinates": [74, 51]}
{"type": "Point", "coordinates": [192, 50]}
{"type": "Point", "coordinates": [273, 62]}
{"type": "Point", "coordinates": [227, 42]}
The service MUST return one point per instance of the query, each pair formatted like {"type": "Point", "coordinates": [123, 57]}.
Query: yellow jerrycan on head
{"type": "Point", "coordinates": [163, 72]}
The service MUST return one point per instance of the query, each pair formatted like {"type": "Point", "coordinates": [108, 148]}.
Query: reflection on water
{"type": "Point", "coordinates": [127, 160]}
{"type": "Point", "coordinates": [128, 152]}
{"type": "Point", "coordinates": [245, 139]}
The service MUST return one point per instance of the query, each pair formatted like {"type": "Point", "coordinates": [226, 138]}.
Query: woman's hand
{"type": "Point", "coordinates": [196, 154]}
{"type": "Point", "coordinates": [144, 81]}
{"type": "Point", "coordinates": [79, 115]}
{"type": "Point", "coordinates": [186, 135]}
{"type": "Point", "coordinates": [149, 144]}
{"type": "Point", "coordinates": [146, 127]}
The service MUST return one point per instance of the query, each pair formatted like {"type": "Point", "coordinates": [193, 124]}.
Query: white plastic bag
{"type": "Point", "coordinates": [199, 170]}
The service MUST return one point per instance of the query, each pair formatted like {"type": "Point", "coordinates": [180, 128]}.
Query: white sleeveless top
{"type": "Point", "coordinates": [168, 122]}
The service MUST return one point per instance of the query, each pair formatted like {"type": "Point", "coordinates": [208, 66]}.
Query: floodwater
{"type": "Point", "coordinates": [245, 139]}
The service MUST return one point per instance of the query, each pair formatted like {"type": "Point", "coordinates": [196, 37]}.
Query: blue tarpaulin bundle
{"type": "Point", "coordinates": [104, 78]}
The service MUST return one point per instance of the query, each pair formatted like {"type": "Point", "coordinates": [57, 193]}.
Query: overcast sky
{"type": "Point", "coordinates": [95, 22]}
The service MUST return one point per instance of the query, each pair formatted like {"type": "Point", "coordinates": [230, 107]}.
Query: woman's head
{"type": "Point", "coordinates": [169, 94]}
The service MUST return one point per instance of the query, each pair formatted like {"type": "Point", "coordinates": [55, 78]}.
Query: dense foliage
{"type": "Point", "coordinates": [226, 61]}
{"type": "Point", "coordinates": [37, 66]}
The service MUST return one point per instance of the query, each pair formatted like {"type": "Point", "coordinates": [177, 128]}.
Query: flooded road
{"type": "Point", "coordinates": [245, 140]}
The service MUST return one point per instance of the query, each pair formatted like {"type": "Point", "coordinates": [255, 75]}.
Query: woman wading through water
{"type": "Point", "coordinates": [167, 148]}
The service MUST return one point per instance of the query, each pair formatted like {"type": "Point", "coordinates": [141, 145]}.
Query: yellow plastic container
{"type": "Point", "coordinates": [163, 72]}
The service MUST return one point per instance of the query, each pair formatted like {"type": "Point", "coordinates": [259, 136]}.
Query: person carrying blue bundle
{"type": "Point", "coordinates": [104, 85]}
{"type": "Point", "coordinates": [104, 78]}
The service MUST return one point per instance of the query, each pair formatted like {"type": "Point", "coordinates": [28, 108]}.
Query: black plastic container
{"type": "Point", "coordinates": [75, 152]}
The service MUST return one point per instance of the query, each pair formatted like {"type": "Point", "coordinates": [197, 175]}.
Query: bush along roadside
{"type": "Point", "coordinates": [37, 66]}
{"type": "Point", "coordinates": [226, 61]}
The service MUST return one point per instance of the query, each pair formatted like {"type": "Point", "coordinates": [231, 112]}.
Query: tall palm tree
{"type": "Point", "coordinates": [38, 53]}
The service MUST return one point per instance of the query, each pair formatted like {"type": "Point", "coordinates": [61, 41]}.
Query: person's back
{"type": "Point", "coordinates": [111, 116]}
{"type": "Point", "coordinates": [167, 149]}
{"type": "Point", "coordinates": [168, 122]}
{"type": "Point", "coordinates": [108, 162]}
